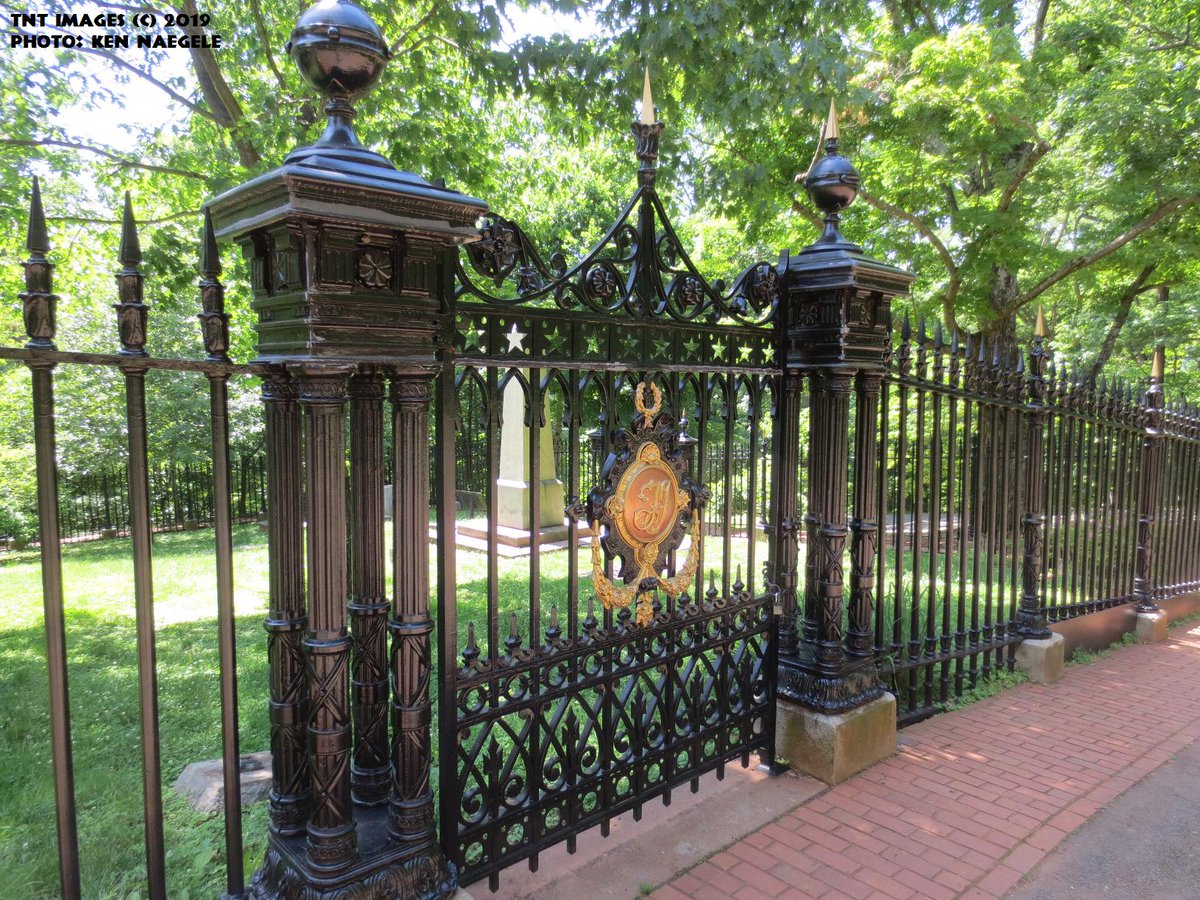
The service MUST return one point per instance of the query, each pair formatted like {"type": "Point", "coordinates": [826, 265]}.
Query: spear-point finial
{"type": "Point", "coordinates": [38, 300]}
{"type": "Point", "coordinates": [906, 328]}
{"type": "Point", "coordinates": [471, 653]}
{"type": "Point", "coordinates": [831, 181]}
{"type": "Point", "coordinates": [131, 251]}
{"type": "Point", "coordinates": [1039, 329]}
{"type": "Point", "coordinates": [647, 117]}
{"type": "Point", "coordinates": [831, 132]}
{"type": "Point", "coordinates": [210, 256]}
{"type": "Point", "coordinates": [646, 132]}
{"type": "Point", "coordinates": [37, 241]}
{"type": "Point", "coordinates": [1158, 364]}
{"type": "Point", "coordinates": [131, 309]}
{"type": "Point", "coordinates": [938, 339]}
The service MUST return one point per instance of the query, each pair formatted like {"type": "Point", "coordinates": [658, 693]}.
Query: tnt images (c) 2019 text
{"type": "Point", "coordinates": [111, 31]}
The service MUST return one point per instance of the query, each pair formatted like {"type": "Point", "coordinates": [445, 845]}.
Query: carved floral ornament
{"type": "Point", "coordinates": [644, 507]}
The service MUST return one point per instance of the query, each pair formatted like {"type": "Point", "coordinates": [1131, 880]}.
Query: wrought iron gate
{"type": "Point", "coordinates": [557, 713]}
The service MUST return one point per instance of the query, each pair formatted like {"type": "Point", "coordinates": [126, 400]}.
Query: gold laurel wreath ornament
{"type": "Point", "coordinates": [658, 504]}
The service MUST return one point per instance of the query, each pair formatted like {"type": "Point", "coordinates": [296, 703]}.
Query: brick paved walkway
{"type": "Point", "coordinates": [974, 799]}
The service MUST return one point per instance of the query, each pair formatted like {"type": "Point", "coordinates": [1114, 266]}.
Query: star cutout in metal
{"type": "Point", "coordinates": [719, 349]}
{"type": "Point", "coordinates": [661, 347]}
{"type": "Point", "coordinates": [516, 339]}
{"type": "Point", "coordinates": [691, 345]}
{"type": "Point", "coordinates": [744, 353]}
{"type": "Point", "coordinates": [472, 334]}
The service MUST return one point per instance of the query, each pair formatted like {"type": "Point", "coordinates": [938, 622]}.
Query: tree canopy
{"type": "Point", "coordinates": [1013, 155]}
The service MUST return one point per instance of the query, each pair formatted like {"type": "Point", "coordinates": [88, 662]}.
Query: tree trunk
{"type": "Point", "coordinates": [1124, 305]}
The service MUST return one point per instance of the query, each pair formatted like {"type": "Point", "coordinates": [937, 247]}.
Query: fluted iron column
{"type": "Point", "coordinates": [287, 618]}
{"type": "Point", "coordinates": [864, 524]}
{"type": "Point", "coordinates": [410, 818]}
{"type": "Point", "coordinates": [787, 492]}
{"type": "Point", "coordinates": [332, 841]}
{"type": "Point", "coordinates": [371, 768]}
{"type": "Point", "coordinates": [829, 440]}
{"type": "Point", "coordinates": [1149, 493]}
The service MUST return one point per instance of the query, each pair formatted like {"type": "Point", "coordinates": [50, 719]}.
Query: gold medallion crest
{"type": "Point", "coordinates": [645, 507]}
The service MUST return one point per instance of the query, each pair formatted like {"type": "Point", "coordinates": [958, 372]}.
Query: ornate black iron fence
{"type": "Point", "coordinates": [973, 496]}
{"type": "Point", "coordinates": [566, 709]}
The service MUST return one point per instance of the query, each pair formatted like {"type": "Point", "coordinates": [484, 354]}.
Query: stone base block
{"type": "Point", "coordinates": [1151, 627]}
{"type": "Point", "coordinates": [834, 747]}
{"type": "Point", "coordinates": [202, 784]}
{"type": "Point", "coordinates": [1043, 660]}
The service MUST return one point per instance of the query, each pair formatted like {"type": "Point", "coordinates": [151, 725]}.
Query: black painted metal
{"type": "Point", "coordinates": [38, 303]}
{"type": "Point", "coordinates": [553, 731]}
{"type": "Point", "coordinates": [215, 327]}
{"type": "Point", "coordinates": [835, 323]}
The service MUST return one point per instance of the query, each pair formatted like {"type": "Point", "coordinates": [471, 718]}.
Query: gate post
{"type": "Point", "coordinates": [1041, 653]}
{"type": "Point", "coordinates": [347, 267]}
{"type": "Point", "coordinates": [1151, 620]}
{"type": "Point", "coordinates": [834, 718]}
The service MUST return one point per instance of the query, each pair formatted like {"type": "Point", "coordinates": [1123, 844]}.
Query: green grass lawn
{"type": "Point", "coordinates": [104, 713]}
{"type": "Point", "coordinates": [103, 681]}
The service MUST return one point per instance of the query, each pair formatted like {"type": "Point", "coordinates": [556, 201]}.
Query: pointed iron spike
{"type": "Point", "coordinates": [996, 355]}
{"type": "Point", "coordinates": [210, 255]}
{"type": "Point", "coordinates": [982, 358]}
{"type": "Point", "coordinates": [647, 117]}
{"type": "Point", "coordinates": [1103, 387]}
{"type": "Point", "coordinates": [37, 241]}
{"type": "Point", "coordinates": [131, 251]}
{"type": "Point", "coordinates": [906, 328]}
{"type": "Point", "coordinates": [1020, 363]}
{"type": "Point", "coordinates": [938, 339]}
{"type": "Point", "coordinates": [971, 352]}
{"type": "Point", "coordinates": [831, 132]}
{"type": "Point", "coordinates": [955, 343]}
{"type": "Point", "coordinates": [1159, 364]}
{"type": "Point", "coordinates": [922, 337]}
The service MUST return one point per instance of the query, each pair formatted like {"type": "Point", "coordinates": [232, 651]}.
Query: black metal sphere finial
{"type": "Point", "coordinates": [341, 52]}
{"type": "Point", "coordinates": [831, 181]}
{"type": "Point", "coordinates": [338, 49]}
